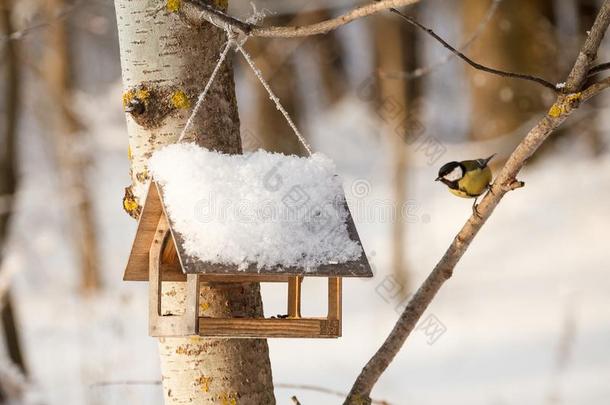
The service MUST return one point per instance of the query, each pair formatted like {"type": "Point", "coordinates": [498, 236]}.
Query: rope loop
{"type": "Point", "coordinates": [233, 40]}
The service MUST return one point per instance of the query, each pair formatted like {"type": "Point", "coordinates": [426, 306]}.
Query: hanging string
{"type": "Point", "coordinates": [239, 47]}
{"type": "Point", "coordinates": [208, 85]}
{"type": "Point", "coordinates": [273, 97]}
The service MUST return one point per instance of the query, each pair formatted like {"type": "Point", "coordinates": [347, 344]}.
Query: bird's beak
{"type": "Point", "coordinates": [437, 179]}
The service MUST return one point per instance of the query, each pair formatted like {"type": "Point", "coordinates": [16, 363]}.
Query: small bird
{"type": "Point", "coordinates": [467, 179]}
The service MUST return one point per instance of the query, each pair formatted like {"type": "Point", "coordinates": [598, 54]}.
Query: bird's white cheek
{"type": "Point", "coordinates": [455, 174]}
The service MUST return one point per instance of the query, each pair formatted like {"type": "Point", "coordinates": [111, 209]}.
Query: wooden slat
{"type": "Point", "coordinates": [294, 297]}
{"type": "Point", "coordinates": [168, 325]}
{"type": "Point", "coordinates": [269, 328]}
{"type": "Point", "coordinates": [169, 255]}
{"type": "Point", "coordinates": [246, 278]}
{"type": "Point", "coordinates": [154, 284]}
{"type": "Point", "coordinates": [191, 314]}
{"type": "Point", "coordinates": [137, 265]}
{"type": "Point", "coordinates": [334, 298]}
{"type": "Point", "coordinates": [172, 272]}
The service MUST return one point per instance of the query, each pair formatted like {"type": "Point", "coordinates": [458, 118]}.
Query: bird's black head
{"type": "Point", "coordinates": [447, 169]}
{"type": "Point", "coordinates": [451, 173]}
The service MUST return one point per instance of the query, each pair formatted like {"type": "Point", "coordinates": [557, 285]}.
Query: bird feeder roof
{"type": "Point", "coordinates": [336, 252]}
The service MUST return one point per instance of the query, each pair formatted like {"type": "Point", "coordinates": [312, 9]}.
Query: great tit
{"type": "Point", "coordinates": [468, 178]}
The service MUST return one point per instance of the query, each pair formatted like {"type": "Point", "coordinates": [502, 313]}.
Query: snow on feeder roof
{"type": "Point", "coordinates": [257, 213]}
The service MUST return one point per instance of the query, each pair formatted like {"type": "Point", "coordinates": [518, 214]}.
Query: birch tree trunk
{"type": "Point", "coordinates": [165, 65]}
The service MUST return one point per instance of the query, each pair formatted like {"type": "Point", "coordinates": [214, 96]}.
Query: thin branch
{"type": "Point", "coordinates": [324, 390]}
{"type": "Point", "coordinates": [588, 53]}
{"type": "Point", "coordinates": [595, 88]}
{"type": "Point", "coordinates": [423, 71]}
{"type": "Point", "coordinates": [303, 387]}
{"type": "Point", "coordinates": [472, 63]}
{"type": "Point", "coordinates": [126, 382]}
{"type": "Point", "coordinates": [221, 19]}
{"type": "Point", "coordinates": [59, 15]}
{"type": "Point", "coordinates": [598, 68]}
{"type": "Point", "coordinates": [505, 181]}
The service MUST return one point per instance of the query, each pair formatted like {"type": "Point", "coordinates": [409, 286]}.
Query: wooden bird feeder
{"type": "Point", "coordinates": [158, 256]}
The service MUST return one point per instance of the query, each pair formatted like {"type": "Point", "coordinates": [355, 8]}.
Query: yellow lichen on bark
{"type": "Point", "coordinates": [555, 110]}
{"type": "Point", "coordinates": [224, 4]}
{"type": "Point", "coordinates": [127, 97]}
{"type": "Point", "coordinates": [141, 94]}
{"type": "Point", "coordinates": [203, 383]}
{"type": "Point", "coordinates": [228, 398]}
{"type": "Point", "coordinates": [564, 106]}
{"type": "Point", "coordinates": [142, 176]}
{"type": "Point", "coordinates": [173, 6]}
{"type": "Point", "coordinates": [180, 100]}
{"type": "Point", "coordinates": [130, 203]}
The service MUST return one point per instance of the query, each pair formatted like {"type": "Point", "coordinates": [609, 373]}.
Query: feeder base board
{"type": "Point", "coordinates": [270, 327]}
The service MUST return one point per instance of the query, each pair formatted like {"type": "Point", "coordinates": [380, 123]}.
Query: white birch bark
{"type": "Point", "coordinates": [165, 64]}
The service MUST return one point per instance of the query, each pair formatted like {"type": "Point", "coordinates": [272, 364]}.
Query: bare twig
{"type": "Point", "coordinates": [126, 382]}
{"type": "Point", "coordinates": [59, 15]}
{"type": "Point", "coordinates": [425, 70]}
{"type": "Point", "coordinates": [324, 390]}
{"type": "Point", "coordinates": [295, 400]}
{"type": "Point", "coordinates": [595, 88]}
{"type": "Point", "coordinates": [472, 63]}
{"type": "Point", "coordinates": [505, 181]}
{"type": "Point", "coordinates": [598, 68]}
{"type": "Point", "coordinates": [219, 18]}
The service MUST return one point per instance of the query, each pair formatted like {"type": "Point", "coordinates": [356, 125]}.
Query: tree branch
{"type": "Point", "coordinates": [598, 68]}
{"type": "Point", "coordinates": [219, 18]}
{"type": "Point", "coordinates": [213, 15]}
{"type": "Point", "coordinates": [324, 390]}
{"type": "Point", "coordinates": [505, 181]}
{"type": "Point", "coordinates": [472, 63]}
{"type": "Point", "coordinates": [61, 14]}
{"type": "Point", "coordinates": [588, 53]}
{"type": "Point", "coordinates": [595, 88]}
{"type": "Point", "coordinates": [422, 71]}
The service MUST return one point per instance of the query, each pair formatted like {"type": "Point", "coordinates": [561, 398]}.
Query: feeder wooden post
{"type": "Point", "coordinates": [334, 298]}
{"type": "Point", "coordinates": [185, 324]}
{"type": "Point", "coordinates": [294, 296]}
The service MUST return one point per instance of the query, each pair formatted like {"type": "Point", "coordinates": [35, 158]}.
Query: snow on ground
{"type": "Point", "coordinates": [532, 289]}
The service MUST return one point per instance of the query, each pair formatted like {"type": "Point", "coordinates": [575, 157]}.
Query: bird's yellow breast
{"type": "Point", "coordinates": [473, 184]}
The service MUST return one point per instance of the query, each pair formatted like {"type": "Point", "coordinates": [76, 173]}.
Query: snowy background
{"type": "Point", "coordinates": [526, 317]}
